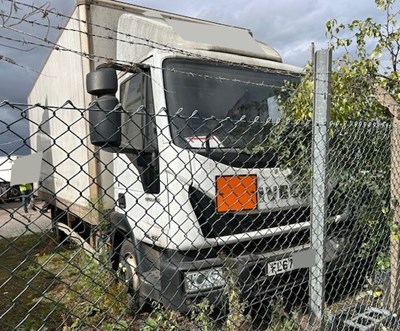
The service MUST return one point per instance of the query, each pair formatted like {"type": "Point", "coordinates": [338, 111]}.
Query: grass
{"type": "Point", "coordinates": [47, 287]}
{"type": "Point", "coordinates": [19, 306]}
{"type": "Point", "coordinates": [44, 286]}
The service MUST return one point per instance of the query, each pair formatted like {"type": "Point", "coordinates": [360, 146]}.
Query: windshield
{"type": "Point", "coordinates": [221, 106]}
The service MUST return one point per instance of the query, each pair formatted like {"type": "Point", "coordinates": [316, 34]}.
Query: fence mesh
{"type": "Point", "coordinates": [204, 226]}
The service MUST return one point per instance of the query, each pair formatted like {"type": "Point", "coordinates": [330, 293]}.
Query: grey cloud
{"type": "Point", "coordinates": [289, 25]}
{"type": "Point", "coordinates": [13, 132]}
{"type": "Point", "coordinates": [17, 80]}
{"type": "Point", "coordinates": [280, 24]}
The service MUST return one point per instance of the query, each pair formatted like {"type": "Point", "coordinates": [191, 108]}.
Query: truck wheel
{"type": "Point", "coordinates": [60, 236]}
{"type": "Point", "coordinates": [16, 194]}
{"type": "Point", "coordinates": [127, 273]}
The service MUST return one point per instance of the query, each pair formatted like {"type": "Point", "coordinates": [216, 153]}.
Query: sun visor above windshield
{"type": "Point", "coordinates": [138, 34]}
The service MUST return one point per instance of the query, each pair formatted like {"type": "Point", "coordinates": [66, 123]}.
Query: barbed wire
{"type": "Point", "coordinates": [11, 142]}
{"type": "Point", "coordinates": [129, 64]}
{"type": "Point", "coordinates": [360, 160]}
{"type": "Point", "coordinates": [147, 42]}
{"type": "Point", "coordinates": [15, 63]}
{"type": "Point", "coordinates": [144, 42]}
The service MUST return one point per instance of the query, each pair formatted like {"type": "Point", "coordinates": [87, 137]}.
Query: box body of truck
{"type": "Point", "coordinates": [174, 230]}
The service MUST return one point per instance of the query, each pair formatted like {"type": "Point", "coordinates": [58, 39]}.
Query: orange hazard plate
{"type": "Point", "coordinates": [236, 193]}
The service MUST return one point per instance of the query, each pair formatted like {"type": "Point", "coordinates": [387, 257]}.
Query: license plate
{"type": "Point", "coordinates": [279, 266]}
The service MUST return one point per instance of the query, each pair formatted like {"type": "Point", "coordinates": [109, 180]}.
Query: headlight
{"type": "Point", "coordinates": [204, 280]}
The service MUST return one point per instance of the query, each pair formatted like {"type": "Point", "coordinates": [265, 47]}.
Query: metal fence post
{"type": "Point", "coordinates": [321, 117]}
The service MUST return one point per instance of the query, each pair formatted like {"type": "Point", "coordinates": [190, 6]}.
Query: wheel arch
{"type": "Point", "coordinates": [121, 230]}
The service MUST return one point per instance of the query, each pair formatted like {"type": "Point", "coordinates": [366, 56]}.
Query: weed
{"type": "Point", "coordinates": [95, 296]}
{"type": "Point", "coordinates": [236, 319]}
{"type": "Point", "coordinates": [280, 319]}
{"type": "Point", "coordinates": [69, 290]}
{"type": "Point", "coordinates": [201, 316]}
{"type": "Point", "coordinates": [66, 289]}
{"type": "Point", "coordinates": [163, 320]}
{"type": "Point", "coordinates": [97, 213]}
{"type": "Point", "coordinates": [20, 306]}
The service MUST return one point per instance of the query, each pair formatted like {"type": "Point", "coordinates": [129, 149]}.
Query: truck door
{"type": "Point", "coordinates": [140, 191]}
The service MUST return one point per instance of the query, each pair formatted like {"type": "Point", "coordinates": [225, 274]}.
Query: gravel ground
{"type": "Point", "coordinates": [14, 222]}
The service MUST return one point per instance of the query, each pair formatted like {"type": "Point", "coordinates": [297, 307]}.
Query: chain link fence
{"type": "Point", "coordinates": [196, 223]}
{"type": "Point", "coordinates": [218, 213]}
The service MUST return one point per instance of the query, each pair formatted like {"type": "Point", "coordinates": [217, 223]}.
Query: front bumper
{"type": "Point", "coordinates": [252, 278]}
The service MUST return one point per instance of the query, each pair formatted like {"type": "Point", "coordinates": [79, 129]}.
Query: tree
{"type": "Point", "coordinates": [360, 133]}
{"type": "Point", "coordinates": [378, 48]}
{"type": "Point", "coordinates": [377, 44]}
{"type": "Point", "coordinates": [370, 58]}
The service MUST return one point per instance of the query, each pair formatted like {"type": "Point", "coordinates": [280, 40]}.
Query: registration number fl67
{"type": "Point", "coordinates": [279, 266]}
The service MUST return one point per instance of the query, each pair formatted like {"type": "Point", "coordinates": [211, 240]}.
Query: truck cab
{"type": "Point", "coordinates": [196, 184]}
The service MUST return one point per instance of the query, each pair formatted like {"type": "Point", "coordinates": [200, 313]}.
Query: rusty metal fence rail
{"type": "Point", "coordinates": [204, 226]}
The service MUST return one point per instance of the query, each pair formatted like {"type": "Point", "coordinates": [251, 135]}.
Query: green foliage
{"type": "Point", "coordinates": [364, 155]}
{"type": "Point", "coordinates": [163, 320]}
{"type": "Point", "coordinates": [370, 59]}
{"type": "Point", "coordinates": [352, 94]}
{"type": "Point", "coordinates": [168, 320]}
{"type": "Point", "coordinates": [202, 316]}
{"type": "Point", "coordinates": [291, 142]}
{"type": "Point", "coordinates": [383, 261]}
{"type": "Point", "coordinates": [92, 295]}
{"type": "Point", "coordinates": [237, 319]}
{"type": "Point", "coordinates": [280, 319]}
{"type": "Point", "coordinates": [19, 255]}
{"type": "Point", "coordinates": [359, 150]}
{"type": "Point", "coordinates": [67, 289]}
{"type": "Point", "coordinates": [376, 46]}
{"type": "Point", "coordinates": [98, 214]}
{"type": "Point", "coordinates": [359, 179]}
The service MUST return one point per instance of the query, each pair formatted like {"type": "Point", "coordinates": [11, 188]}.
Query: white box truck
{"type": "Point", "coordinates": [7, 192]}
{"type": "Point", "coordinates": [182, 191]}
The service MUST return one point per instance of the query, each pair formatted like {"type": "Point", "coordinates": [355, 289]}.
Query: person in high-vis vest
{"type": "Point", "coordinates": [26, 193]}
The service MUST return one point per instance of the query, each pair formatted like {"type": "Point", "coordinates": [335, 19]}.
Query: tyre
{"type": "Point", "coordinates": [127, 273]}
{"type": "Point", "coordinates": [15, 194]}
{"type": "Point", "coordinates": [58, 217]}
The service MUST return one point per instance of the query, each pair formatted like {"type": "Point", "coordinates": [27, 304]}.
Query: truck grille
{"type": "Point", "coordinates": [216, 225]}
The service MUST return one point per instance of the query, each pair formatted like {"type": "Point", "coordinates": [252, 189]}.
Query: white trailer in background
{"type": "Point", "coordinates": [7, 192]}
{"type": "Point", "coordinates": [165, 188]}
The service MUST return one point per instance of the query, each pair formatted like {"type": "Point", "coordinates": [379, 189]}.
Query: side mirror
{"type": "Point", "coordinates": [104, 117]}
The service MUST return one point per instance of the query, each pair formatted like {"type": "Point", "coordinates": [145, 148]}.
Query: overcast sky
{"type": "Point", "coordinates": [287, 25]}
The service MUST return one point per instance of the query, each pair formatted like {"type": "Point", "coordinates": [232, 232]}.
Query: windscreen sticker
{"type": "Point", "coordinates": [200, 141]}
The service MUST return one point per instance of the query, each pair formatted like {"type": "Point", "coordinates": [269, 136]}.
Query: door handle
{"type": "Point", "coordinates": [121, 201]}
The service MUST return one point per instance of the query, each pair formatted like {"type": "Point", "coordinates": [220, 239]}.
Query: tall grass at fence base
{"type": "Point", "coordinates": [67, 289]}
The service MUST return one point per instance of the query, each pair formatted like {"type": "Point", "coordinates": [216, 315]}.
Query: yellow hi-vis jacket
{"type": "Point", "coordinates": [25, 187]}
